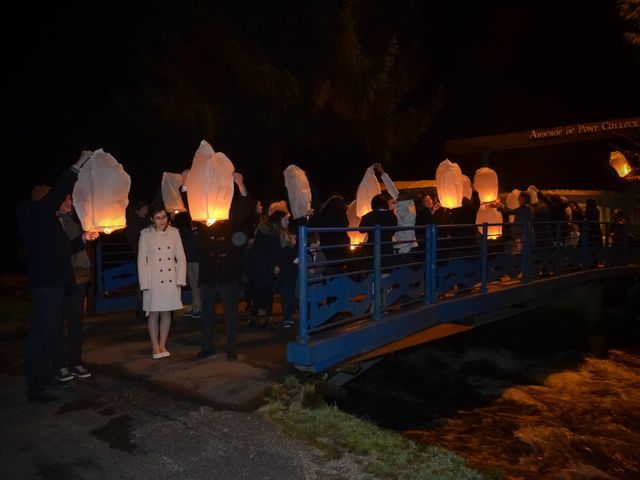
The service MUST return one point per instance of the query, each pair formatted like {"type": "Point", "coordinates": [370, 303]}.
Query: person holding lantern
{"type": "Point", "coordinates": [523, 214]}
{"type": "Point", "coordinates": [221, 247]}
{"type": "Point", "coordinates": [162, 271]}
{"type": "Point", "coordinates": [74, 303]}
{"type": "Point", "coordinates": [50, 273]}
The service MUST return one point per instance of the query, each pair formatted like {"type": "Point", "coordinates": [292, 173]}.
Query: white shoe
{"type": "Point", "coordinates": [164, 354]}
{"type": "Point", "coordinates": [156, 356]}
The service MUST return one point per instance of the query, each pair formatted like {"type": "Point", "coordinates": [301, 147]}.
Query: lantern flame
{"type": "Point", "coordinates": [210, 221]}
{"type": "Point", "coordinates": [107, 231]}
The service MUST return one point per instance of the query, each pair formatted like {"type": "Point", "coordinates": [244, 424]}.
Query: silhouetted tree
{"type": "Point", "coordinates": [371, 92]}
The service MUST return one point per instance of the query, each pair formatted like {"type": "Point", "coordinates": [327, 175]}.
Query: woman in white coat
{"type": "Point", "coordinates": [162, 270]}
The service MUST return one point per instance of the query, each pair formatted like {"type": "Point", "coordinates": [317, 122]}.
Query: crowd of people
{"type": "Point", "coordinates": [250, 252]}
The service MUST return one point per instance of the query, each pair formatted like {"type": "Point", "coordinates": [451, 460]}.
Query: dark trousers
{"type": "Point", "coordinates": [74, 307]}
{"type": "Point", "coordinates": [262, 297]}
{"type": "Point", "coordinates": [287, 288]}
{"type": "Point", "coordinates": [46, 316]}
{"type": "Point", "coordinates": [228, 294]}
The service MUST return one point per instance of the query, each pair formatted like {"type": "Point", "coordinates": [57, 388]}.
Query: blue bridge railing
{"type": "Point", "coordinates": [363, 282]}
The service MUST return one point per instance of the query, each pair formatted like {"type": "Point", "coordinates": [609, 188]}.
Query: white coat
{"type": "Point", "coordinates": [162, 266]}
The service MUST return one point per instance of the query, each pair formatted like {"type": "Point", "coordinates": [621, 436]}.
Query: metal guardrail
{"type": "Point", "coordinates": [364, 281]}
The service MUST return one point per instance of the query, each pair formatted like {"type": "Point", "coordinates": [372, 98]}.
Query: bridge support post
{"type": "Point", "coordinates": [302, 285]}
{"type": "Point", "coordinates": [377, 272]}
{"type": "Point", "coordinates": [485, 256]}
{"type": "Point", "coordinates": [606, 252]}
{"type": "Point", "coordinates": [558, 252]}
{"type": "Point", "coordinates": [430, 259]}
{"type": "Point", "coordinates": [527, 253]}
{"type": "Point", "coordinates": [584, 247]}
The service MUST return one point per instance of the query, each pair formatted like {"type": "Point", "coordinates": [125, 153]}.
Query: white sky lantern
{"type": "Point", "coordinates": [533, 194]}
{"type": "Point", "coordinates": [449, 184]}
{"type": "Point", "coordinates": [485, 181]}
{"type": "Point", "coordinates": [619, 162]}
{"type": "Point", "coordinates": [467, 189]}
{"type": "Point", "coordinates": [368, 188]}
{"type": "Point", "coordinates": [355, 238]}
{"type": "Point", "coordinates": [210, 185]}
{"type": "Point", "coordinates": [487, 214]}
{"type": "Point", "coordinates": [512, 202]}
{"type": "Point", "coordinates": [101, 194]}
{"type": "Point", "coordinates": [298, 190]}
{"type": "Point", "coordinates": [171, 197]}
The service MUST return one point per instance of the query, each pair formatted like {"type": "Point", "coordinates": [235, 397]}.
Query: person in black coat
{"type": "Point", "coordinates": [380, 215]}
{"type": "Point", "coordinates": [220, 274]}
{"type": "Point", "coordinates": [49, 272]}
{"type": "Point", "coordinates": [262, 260]}
{"type": "Point", "coordinates": [333, 214]}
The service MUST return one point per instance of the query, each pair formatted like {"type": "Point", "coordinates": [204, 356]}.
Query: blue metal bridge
{"type": "Point", "coordinates": [366, 303]}
{"type": "Point", "coordinates": [363, 303]}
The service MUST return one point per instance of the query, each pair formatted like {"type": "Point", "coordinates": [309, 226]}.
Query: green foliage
{"type": "Point", "coordinates": [310, 85]}
{"type": "Point", "coordinates": [382, 453]}
{"type": "Point", "coordinates": [630, 12]}
{"type": "Point", "coordinates": [369, 92]}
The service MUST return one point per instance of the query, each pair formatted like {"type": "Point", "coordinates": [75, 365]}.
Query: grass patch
{"type": "Point", "coordinates": [383, 453]}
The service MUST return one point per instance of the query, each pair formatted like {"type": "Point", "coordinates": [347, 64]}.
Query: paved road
{"type": "Point", "coordinates": [114, 427]}
{"type": "Point", "coordinates": [139, 418]}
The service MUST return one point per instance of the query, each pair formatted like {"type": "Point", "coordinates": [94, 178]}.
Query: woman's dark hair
{"type": "Point", "coordinates": [276, 217]}
{"type": "Point", "coordinates": [526, 196]}
{"type": "Point", "coordinates": [153, 209]}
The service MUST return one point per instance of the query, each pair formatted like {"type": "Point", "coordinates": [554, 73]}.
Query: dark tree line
{"type": "Point", "coordinates": [312, 83]}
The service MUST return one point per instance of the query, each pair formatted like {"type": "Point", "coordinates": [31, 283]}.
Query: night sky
{"type": "Point", "coordinates": [133, 79]}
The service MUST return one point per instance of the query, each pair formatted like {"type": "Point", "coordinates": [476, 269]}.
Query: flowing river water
{"type": "Point", "coordinates": [533, 398]}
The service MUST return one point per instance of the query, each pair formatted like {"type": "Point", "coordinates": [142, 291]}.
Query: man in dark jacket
{"type": "Point", "coordinates": [220, 275]}
{"type": "Point", "coordinates": [380, 215]}
{"type": "Point", "coordinates": [49, 271]}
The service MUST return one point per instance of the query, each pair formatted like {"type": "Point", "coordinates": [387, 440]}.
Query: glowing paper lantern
{"type": "Point", "coordinates": [280, 206]}
{"type": "Point", "coordinates": [467, 189]}
{"type": "Point", "coordinates": [368, 188]}
{"type": "Point", "coordinates": [171, 197]}
{"type": "Point", "coordinates": [485, 181]}
{"type": "Point", "coordinates": [513, 203]}
{"type": "Point", "coordinates": [533, 194]}
{"type": "Point", "coordinates": [210, 185]}
{"type": "Point", "coordinates": [298, 190]}
{"type": "Point", "coordinates": [101, 194]}
{"type": "Point", "coordinates": [487, 214]}
{"type": "Point", "coordinates": [449, 184]}
{"type": "Point", "coordinates": [619, 162]}
{"type": "Point", "coordinates": [355, 238]}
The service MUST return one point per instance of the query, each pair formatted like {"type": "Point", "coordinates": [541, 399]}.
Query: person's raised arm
{"type": "Point", "coordinates": [386, 179]}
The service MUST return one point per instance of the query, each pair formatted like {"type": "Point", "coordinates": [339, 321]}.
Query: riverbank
{"type": "Point", "coordinates": [190, 417]}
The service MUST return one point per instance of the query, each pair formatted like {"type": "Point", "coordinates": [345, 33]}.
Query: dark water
{"type": "Point", "coordinates": [534, 397]}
